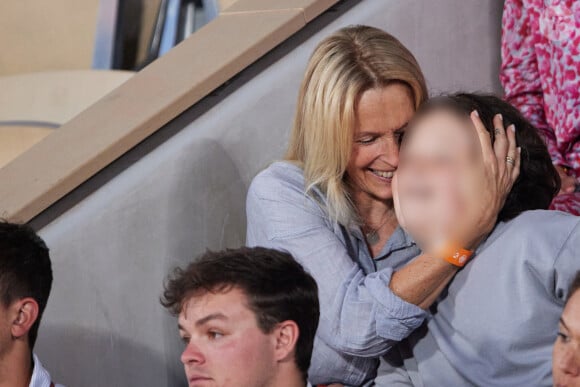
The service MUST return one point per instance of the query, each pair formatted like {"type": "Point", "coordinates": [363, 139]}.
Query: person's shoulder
{"type": "Point", "coordinates": [544, 227]}
{"type": "Point", "coordinates": [281, 187]}
{"type": "Point", "coordinates": [280, 179]}
{"type": "Point", "coordinates": [545, 221]}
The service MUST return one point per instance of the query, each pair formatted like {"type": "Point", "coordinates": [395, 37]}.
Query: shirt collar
{"type": "Point", "coordinates": [40, 376]}
{"type": "Point", "coordinates": [400, 239]}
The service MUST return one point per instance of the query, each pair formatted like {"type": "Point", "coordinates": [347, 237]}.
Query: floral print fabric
{"type": "Point", "coordinates": [540, 74]}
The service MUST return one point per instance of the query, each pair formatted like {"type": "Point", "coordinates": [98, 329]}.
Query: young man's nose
{"type": "Point", "coordinates": [192, 354]}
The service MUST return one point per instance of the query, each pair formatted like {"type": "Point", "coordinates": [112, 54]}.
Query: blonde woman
{"type": "Point", "coordinates": [330, 202]}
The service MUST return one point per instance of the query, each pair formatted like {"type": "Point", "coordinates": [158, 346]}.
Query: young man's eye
{"type": "Point", "coordinates": [215, 335]}
{"type": "Point", "coordinates": [185, 339]}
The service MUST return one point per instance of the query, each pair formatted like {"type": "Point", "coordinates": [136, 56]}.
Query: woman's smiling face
{"type": "Point", "coordinates": [382, 114]}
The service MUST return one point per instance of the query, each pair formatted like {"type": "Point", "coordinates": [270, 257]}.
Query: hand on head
{"type": "Point", "coordinates": [451, 184]}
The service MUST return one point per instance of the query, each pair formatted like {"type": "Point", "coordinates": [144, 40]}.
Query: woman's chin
{"type": "Point", "coordinates": [382, 194]}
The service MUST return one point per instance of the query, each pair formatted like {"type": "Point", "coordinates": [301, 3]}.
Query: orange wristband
{"type": "Point", "coordinates": [455, 255]}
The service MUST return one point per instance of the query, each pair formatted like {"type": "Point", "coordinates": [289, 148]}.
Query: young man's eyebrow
{"type": "Point", "coordinates": [213, 316]}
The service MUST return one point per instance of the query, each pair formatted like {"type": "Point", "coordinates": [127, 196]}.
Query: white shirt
{"type": "Point", "coordinates": [40, 376]}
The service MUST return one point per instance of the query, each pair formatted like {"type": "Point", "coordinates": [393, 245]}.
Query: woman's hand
{"type": "Point", "coordinates": [488, 183]}
{"type": "Point", "coordinates": [463, 206]}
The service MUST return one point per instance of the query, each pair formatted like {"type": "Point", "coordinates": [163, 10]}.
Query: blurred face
{"type": "Point", "coordinates": [436, 153]}
{"type": "Point", "coordinates": [566, 356]}
{"type": "Point", "coordinates": [224, 346]}
{"type": "Point", "coordinates": [382, 115]}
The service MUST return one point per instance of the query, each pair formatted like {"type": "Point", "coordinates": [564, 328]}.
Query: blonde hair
{"type": "Point", "coordinates": [342, 67]}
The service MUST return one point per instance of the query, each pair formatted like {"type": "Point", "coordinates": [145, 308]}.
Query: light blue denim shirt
{"type": "Point", "coordinates": [497, 322]}
{"type": "Point", "coordinates": [361, 318]}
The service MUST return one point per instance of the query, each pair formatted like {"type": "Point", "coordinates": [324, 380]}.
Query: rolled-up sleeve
{"type": "Point", "coordinates": [360, 315]}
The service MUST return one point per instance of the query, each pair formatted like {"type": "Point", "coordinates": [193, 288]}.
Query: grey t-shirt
{"type": "Point", "coordinates": [497, 322]}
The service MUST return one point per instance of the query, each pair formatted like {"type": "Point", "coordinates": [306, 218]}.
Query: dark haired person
{"type": "Point", "coordinates": [247, 317]}
{"type": "Point", "coordinates": [25, 282]}
{"type": "Point", "coordinates": [566, 353]}
{"type": "Point", "coordinates": [495, 324]}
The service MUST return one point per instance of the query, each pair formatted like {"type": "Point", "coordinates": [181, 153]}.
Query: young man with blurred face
{"type": "Point", "coordinates": [247, 317]}
{"type": "Point", "coordinates": [25, 282]}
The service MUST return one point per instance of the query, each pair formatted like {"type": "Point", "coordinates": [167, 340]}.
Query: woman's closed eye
{"type": "Point", "coordinates": [563, 337]}
{"type": "Point", "coordinates": [366, 140]}
{"type": "Point", "coordinates": [399, 136]}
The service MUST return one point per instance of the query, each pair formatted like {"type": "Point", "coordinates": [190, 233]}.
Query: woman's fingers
{"type": "Point", "coordinates": [484, 139]}
{"type": "Point", "coordinates": [513, 158]}
{"type": "Point", "coordinates": [501, 144]}
{"type": "Point", "coordinates": [518, 162]}
{"type": "Point", "coordinates": [512, 146]}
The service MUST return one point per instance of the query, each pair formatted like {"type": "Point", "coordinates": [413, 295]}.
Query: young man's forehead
{"type": "Point", "coordinates": [227, 302]}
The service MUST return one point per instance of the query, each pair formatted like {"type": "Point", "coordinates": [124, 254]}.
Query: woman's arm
{"type": "Point", "coordinates": [422, 281]}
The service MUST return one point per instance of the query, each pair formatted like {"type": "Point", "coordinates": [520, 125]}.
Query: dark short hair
{"type": "Point", "coordinates": [574, 286]}
{"type": "Point", "coordinates": [277, 287]}
{"type": "Point", "coordinates": [25, 269]}
{"type": "Point", "coordinates": [538, 181]}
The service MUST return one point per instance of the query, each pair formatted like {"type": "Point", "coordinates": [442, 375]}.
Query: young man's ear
{"type": "Point", "coordinates": [24, 314]}
{"type": "Point", "coordinates": [286, 336]}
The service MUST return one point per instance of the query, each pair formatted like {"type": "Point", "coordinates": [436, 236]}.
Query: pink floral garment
{"type": "Point", "coordinates": [540, 74]}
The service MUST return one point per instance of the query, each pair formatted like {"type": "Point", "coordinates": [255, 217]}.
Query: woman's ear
{"type": "Point", "coordinates": [286, 336]}
{"type": "Point", "coordinates": [25, 313]}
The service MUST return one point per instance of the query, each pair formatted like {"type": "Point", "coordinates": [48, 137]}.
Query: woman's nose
{"type": "Point", "coordinates": [570, 362]}
{"type": "Point", "coordinates": [389, 151]}
{"type": "Point", "coordinates": [192, 354]}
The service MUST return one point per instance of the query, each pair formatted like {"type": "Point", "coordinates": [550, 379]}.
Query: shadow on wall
{"type": "Point", "coordinates": [103, 357]}
{"type": "Point", "coordinates": [103, 324]}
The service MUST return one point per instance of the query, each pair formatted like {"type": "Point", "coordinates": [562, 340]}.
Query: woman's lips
{"type": "Point", "coordinates": [382, 174]}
